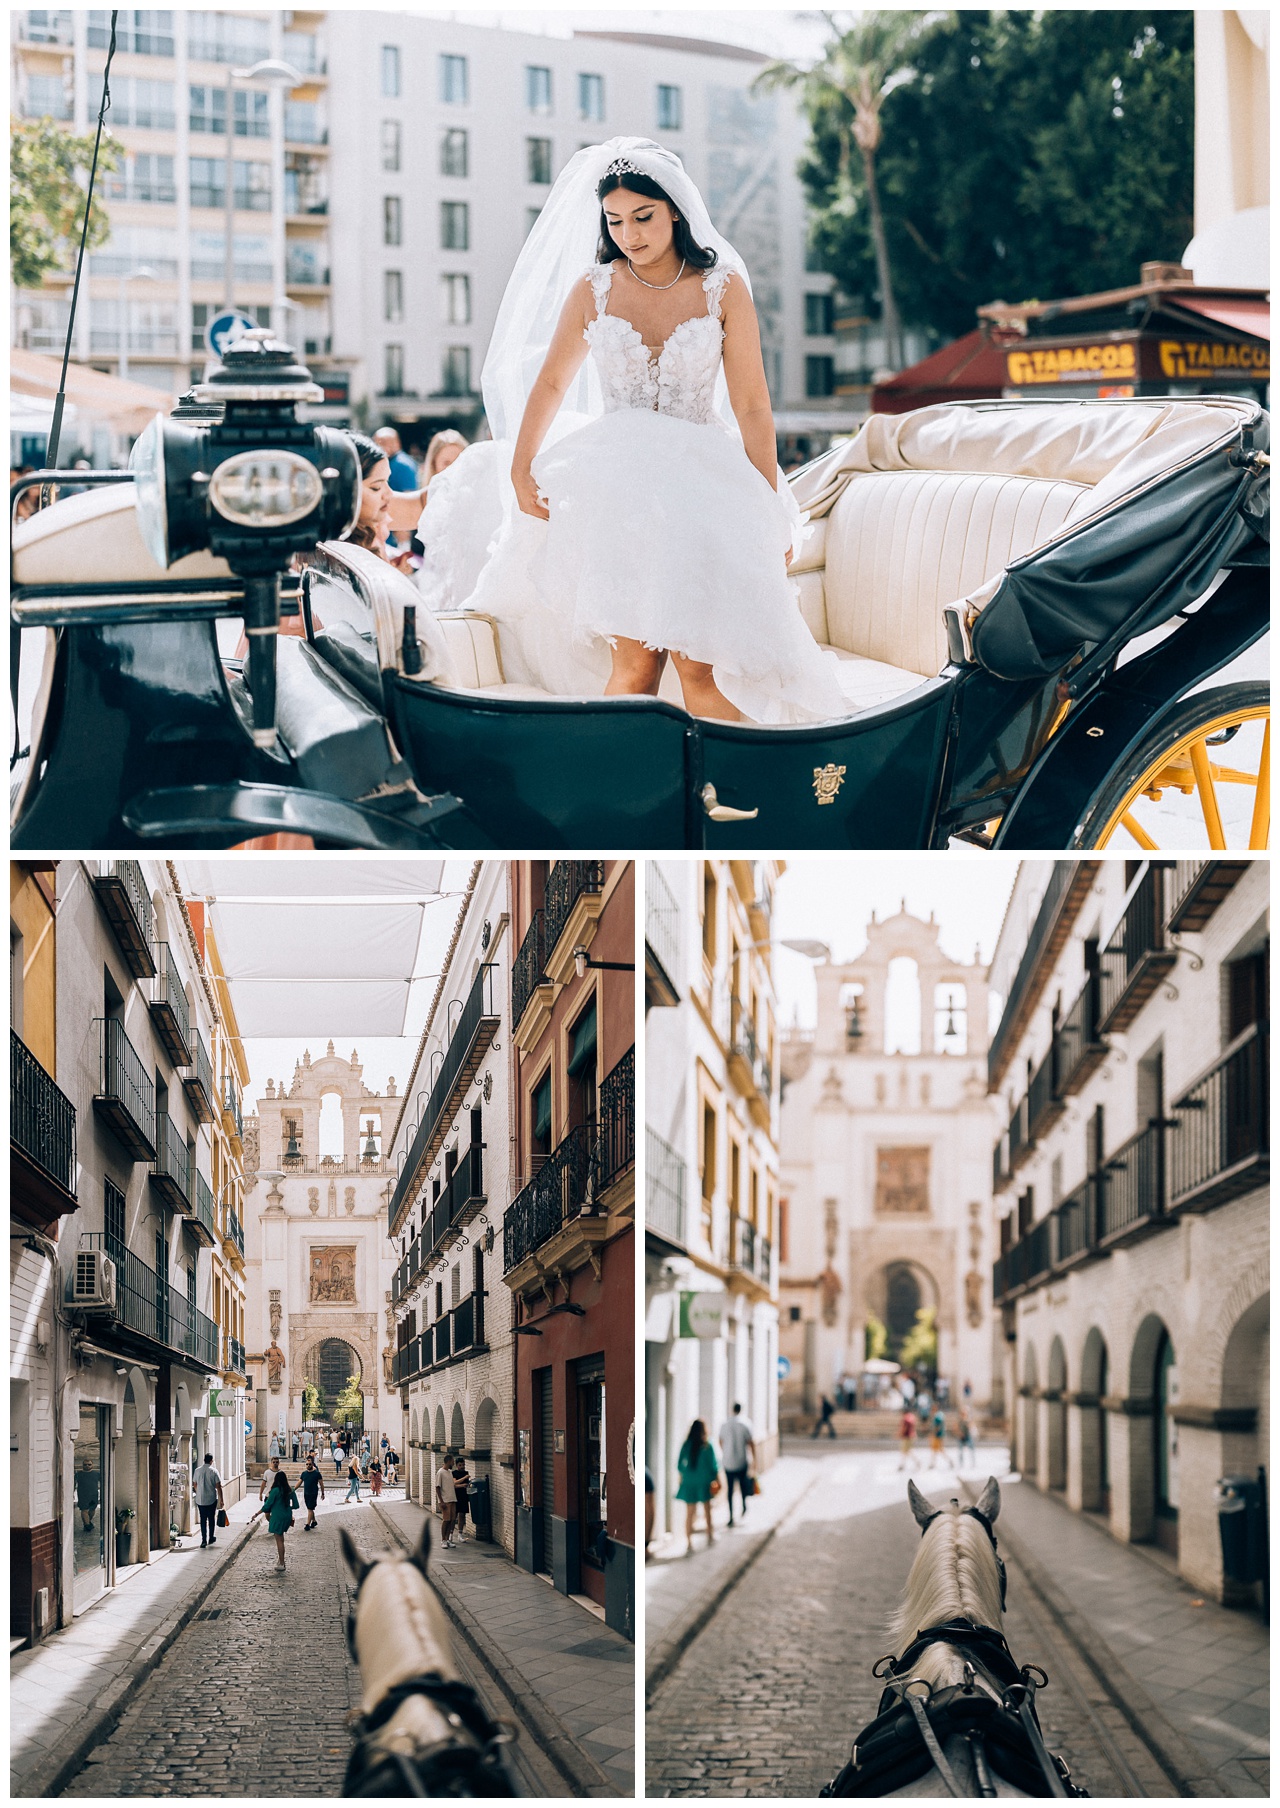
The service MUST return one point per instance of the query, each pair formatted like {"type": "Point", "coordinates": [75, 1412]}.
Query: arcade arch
{"type": "Point", "coordinates": [1029, 1455]}
{"type": "Point", "coordinates": [1095, 1464]}
{"type": "Point", "coordinates": [1056, 1415]}
{"type": "Point", "coordinates": [1153, 1449]}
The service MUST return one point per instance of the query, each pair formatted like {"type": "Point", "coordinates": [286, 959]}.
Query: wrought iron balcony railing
{"type": "Point", "coordinates": [235, 1356]}
{"type": "Point", "coordinates": [147, 1306]}
{"type": "Point", "coordinates": [170, 1012]}
{"type": "Point", "coordinates": [121, 890]}
{"type": "Point", "coordinates": [126, 1095]}
{"type": "Point", "coordinates": [1137, 955]}
{"type": "Point", "coordinates": [231, 1106]}
{"type": "Point", "coordinates": [1081, 1045]}
{"type": "Point", "coordinates": [171, 1170]}
{"type": "Point", "coordinates": [235, 1230]}
{"type": "Point", "coordinates": [567, 881]}
{"type": "Point", "coordinates": [42, 1119]}
{"type": "Point", "coordinates": [1197, 888]}
{"type": "Point", "coordinates": [203, 1217]}
{"type": "Point", "coordinates": [665, 1176]}
{"type": "Point", "coordinates": [529, 967]}
{"type": "Point", "coordinates": [202, 1094]}
{"type": "Point", "coordinates": [562, 1188]}
{"type": "Point", "coordinates": [476, 1028]}
{"type": "Point", "coordinates": [663, 965]}
{"type": "Point", "coordinates": [742, 1245]}
{"type": "Point", "coordinates": [616, 1145]}
{"type": "Point", "coordinates": [1223, 1144]}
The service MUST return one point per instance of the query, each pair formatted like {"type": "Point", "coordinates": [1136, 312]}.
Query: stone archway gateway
{"type": "Point", "coordinates": [330, 1364]}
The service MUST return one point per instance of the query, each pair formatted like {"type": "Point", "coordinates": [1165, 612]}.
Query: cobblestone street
{"type": "Point", "coordinates": [766, 1700]}
{"type": "Point", "coordinates": [252, 1697]}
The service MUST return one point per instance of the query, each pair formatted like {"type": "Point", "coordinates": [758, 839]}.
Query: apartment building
{"type": "Point", "coordinates": [1131, 1063]}
{"type": "Point", "coordinates": [453, 1361]}
{"type": "Point", "coordinates": [711, 1149]}
{"type": "Point", "coordinates": [568, 1247]}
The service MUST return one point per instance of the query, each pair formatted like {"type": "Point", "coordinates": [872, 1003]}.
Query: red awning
{"type": "Point", "coordinates": [1242, 315]}
{"type": "Point", "coordinates": [968, 369]}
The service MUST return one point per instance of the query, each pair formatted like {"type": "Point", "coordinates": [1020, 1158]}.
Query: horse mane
{"type": "Point", "coordinates": [954, 1576]}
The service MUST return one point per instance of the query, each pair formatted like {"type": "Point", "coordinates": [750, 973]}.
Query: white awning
{"type": "Point", "coordinates": [326, 947]}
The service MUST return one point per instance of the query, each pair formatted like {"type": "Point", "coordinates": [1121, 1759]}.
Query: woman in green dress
{"type": "Point", "coordinates": [699, 1468]}
{"type": "Point", "coordinates": [280, 1506]}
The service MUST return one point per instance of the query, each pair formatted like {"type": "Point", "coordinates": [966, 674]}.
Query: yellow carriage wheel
{"type": "Point", "coordinates": [1201, 781]}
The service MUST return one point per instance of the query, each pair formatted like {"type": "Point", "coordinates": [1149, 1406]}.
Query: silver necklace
{"type": "Point", "coordinates": [659, 285]}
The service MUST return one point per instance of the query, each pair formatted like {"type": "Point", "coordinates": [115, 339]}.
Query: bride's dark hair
{"type": "Point", "coordinates": [686, 246]}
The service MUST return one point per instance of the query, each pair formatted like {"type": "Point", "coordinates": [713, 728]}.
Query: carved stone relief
{"type": "Point", "coordinates": [349, 1200]}
{"type": "Point", "coordinates": [273, 1299]}
{"type": "Point", "coordinates": [902, 1182]}
{"type": "Point", "coordinates": [333, 1275]}
{"type": "Point", "coordinates": [313, 1200]}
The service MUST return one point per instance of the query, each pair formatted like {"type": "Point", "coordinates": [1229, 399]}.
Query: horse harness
{"type": "Point", "coordinates": [992, 1709]}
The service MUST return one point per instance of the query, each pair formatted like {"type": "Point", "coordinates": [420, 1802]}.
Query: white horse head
{"type": "Point", "coordinates": [956, 1575]}
{"type": "Point", "coordinates": [400, 1631]}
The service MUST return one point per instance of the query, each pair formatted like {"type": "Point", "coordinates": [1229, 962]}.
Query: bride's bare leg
{"type": "Point", "coordinates": [702, 695]}
{"type": "Point", "coordinates": [637, 670]}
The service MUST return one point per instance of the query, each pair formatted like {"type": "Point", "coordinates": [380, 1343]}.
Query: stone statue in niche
{"type": "Point", "coordinates": [902, 1182]}
{"type": "Point", "coordinates": [973, 1291]}
{"type": "Point", "coordinates": [274, 1358]}
{"type": "Point", "coordinates": [313, 1200]}
{"type": "Point", "coordinates": [273, 1299]}
{"type": "Point", "coordinates": [333, 1199]}
{"type": "Point", "coordinates": [333, 1275]}
{"type": "Point", "coordinates": [388, 1358]}
{"type": "Point", "coordinates": [349, 1199]}
{"type": "Point", "coordinates": [829, 1289]}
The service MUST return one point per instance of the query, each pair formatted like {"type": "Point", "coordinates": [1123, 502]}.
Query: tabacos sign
{"type": "Point", "coordinates": [1191, 358]}
{"type": "Point", "coordinates": [1099, 361]}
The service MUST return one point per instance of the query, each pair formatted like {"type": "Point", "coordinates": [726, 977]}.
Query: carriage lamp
{"type": "Point", "coordinates": [254, 484]}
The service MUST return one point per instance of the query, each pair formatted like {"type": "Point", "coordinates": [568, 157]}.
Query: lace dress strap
{"type": "Point", "coordinates": [600, 277]}
{"type": "Point", "coordinates": [714, 284]}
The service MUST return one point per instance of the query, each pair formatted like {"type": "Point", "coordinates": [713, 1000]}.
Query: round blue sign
{"type": "Point", "coordinates": [784, 1367]}
{"type": "Point", "coordinates": [225, 328]}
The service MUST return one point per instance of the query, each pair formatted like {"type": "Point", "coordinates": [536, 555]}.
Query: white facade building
{"type": "Point", "coordinates": [451, 1149]}
{"type": "Point", "coordinates": [711, 1104]}
{"type": "Point", "coordinates": [886, 1183]}
{"type": "Point", "coordinates": [1133, 1281]}
{"type": "Point", "coordinates": [317, 1259]}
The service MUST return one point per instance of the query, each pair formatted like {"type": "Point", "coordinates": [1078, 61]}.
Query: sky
{"type": "Point", "coordinates": [777, 31]}
{"type": "Point", "coordinates": [832, 901]}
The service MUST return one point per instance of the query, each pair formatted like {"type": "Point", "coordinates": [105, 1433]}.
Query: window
{"type": "Point", "coordinates": [303, 264]}
{"type": "Point", "coordinates": [391, 144]}
{"type": "Point", "coordinates": [252, 257]}
{"type": "Point", "coordinates": [530, 219]}
{"type": "Point", "coordinates": [391, 71]}
{"type": "Point", "coordinates": [708, 914]}
{"type": "Point", "coordinates": [393, 370]}
{"type": "Point", "coordinates": [129, 246]}
{"type": "Point", "coordinates": [583, 1101]}
{"type": "Point", "coordinates": [208, 110]}
{"type": "Point", "coordinates": [537, 89]}
{"type": "Point", "coordinates": [47, 27]}
{"type": "Point", "coordinates": [302, 123]}
{"type": "Point", "coordinates": [252, 184]}
{"type": "Point", "coordinates": [151, 326]}
{"type": "Point", "coordinates": [538, 161]}
{"type": "Point", "coordinates": [540, 1121]}
{"type": "Point", "coordinates": [455, 299]}
{"type": "Point", "coordinates": [147, 34]}
{"type": "Point", "coordinates": [707, 1159]}
{"type": "Point", "coordinates": [455, 226]}
{"type": "Point", "coordinates": [392, 295]}
{"type": "Point", "coordinates": [47, 97]}
{"type": "Point", "coordinates": [591, 97]}
{"type": "Point", "coordinates": [819, 376]}
{"type": "Point", "coordinates": [453, 152]}
{"type": "Point", "coordinates": [819, 315]}
{"type": "Point", "coordinates": [453, 81]}
{"type": "Point", "coordinates": [455, 376]}
{"type": "Point", "coordinates": [670, 108]}
{"type": "Point", "coordinates": [144, 177]}
{"type": "Point", "coordinates": [135, 102]}
{"type": "Point", "coordinates": [113, 1216]}
{"type": "Point", "coordinates": [392, 220]}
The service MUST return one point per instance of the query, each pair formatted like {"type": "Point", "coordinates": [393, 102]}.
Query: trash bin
{"type": "Point", "coordinates": [481, 1508]}
{"type": "Point", "coordinates": [1242, 1528]}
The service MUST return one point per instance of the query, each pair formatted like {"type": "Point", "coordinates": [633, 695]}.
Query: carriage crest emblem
{"type": "Point", "coordinates": [827, 781]}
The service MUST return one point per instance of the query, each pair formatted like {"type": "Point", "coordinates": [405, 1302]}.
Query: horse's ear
{"type": "Point", "coordinates": [923, 1509]}
{"type": "Point", "coordinates": [423, 1552]}
{"type": "Point", "coordinates": [358, 1565]}
{"type": "Point", "coordinates": [989, 1500]}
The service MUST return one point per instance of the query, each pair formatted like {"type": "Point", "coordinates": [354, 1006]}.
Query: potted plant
{"type": "Point", "coordinates": [124, 1535]}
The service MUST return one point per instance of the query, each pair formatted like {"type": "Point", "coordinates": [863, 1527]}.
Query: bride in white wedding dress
{"type": "Point", "coordinates": [646, 445]}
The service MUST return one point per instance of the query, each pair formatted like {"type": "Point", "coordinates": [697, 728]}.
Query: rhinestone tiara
{"type": "Point", "coordinates": [623, 166]}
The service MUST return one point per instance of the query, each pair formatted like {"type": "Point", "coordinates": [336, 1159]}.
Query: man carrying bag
{"type": "Point", "coordinates": [208, 1492]}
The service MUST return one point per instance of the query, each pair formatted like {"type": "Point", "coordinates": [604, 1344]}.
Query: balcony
{"type": "Point", "coordinates": [42, 1139]}
{"type": "Point", "coordinates": [233, 1238]}
{"type": "Point", "coordinates": [233, 1358]}
{"type": "Point", "coordinates": [662, 963]}
{"type": "Point", "coordinates": [1223, 1144]}
{"type": "Point", "coordinates": [528, 970]}
{"type": "Point", "coordinates": [203, 1221]}
{"type": "Point", "coordinates": [1081, 1046]}
{"type": "Point", "coordinates": [328, 1165]}
{"type": "Point", "coordinates": [742, 1246]}
{"type": "Point", "coordinates": [1064, 897]}
{"type": "Point", "coordinates": [126, 1095]}
{"type": "Point", "coordinates": [1001, 1172]}
{"type": "Point", "coordinates": [1137, 957]}
{"type": "Point", "coordinates": [1198, 887]}
{"type": "Point", "coordinates": [749, 1066]}
{"type": "Point", "coordinates": [232, 1118]}
{"type": "Point", "coordinates": [560, 1192]}
{"type": "Point", "coordinates": [202, 1094]}
{"type": "Point", "coordinates": [764, 1261]}
{"type": "Point", "coordinates": [171, 1170]}
{"type": "Point", "coordinates": [1132, 1186]}
{"type": "Point", "coordinates": [46, 27]}
{"type": "Point", "coordinates": [459, 1333]}
{"type": "Point", "coordinates": [122, 892]}
{"type": "Point", "coordinates": [1045, 1103]}
{"type": "Point", "coordinates": [1019, 1135]}
{"type": "Point", "coordinates": [665, 1172]}
{"type": "Point", "coordinates": [616, 1128]}
{"type": "Point", "coordinates": [460, 1199]}
{"type": "Point", "coordinates": [146, 1308]}
{"type": "Point", "coordinates": [170, 1012]}
{"type": "Point", "coordinates": [572, 906]}
{"type": "Point", "coordinates": [476, 1028]}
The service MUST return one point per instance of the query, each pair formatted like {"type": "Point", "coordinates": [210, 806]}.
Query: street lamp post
{"type": "Point", "coordinates": [273, 74]}
{"type": "Point", "coordinates": [144, 273]}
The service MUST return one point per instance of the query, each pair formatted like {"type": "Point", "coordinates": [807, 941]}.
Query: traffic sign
{"type": "Point", "coordinates": [225, 328]}
{"type": "Point", "coordinates": [784, 1367]}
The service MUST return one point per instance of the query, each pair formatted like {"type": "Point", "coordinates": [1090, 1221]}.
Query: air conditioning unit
{"type": "Point", "coordinates": [93, 1286]}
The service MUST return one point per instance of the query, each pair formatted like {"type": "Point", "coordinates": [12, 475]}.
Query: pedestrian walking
{"type": "Point", "coordinates": [447, 1501]}
{"type": "Point", "coordinates": [462, 1489]}
{"type": "Point", "coordinates": [385, 1446]}
{"type": "Point", "coordinates": [295, 1446]}
{"type": "Point", "coordinates": [279, 1509]}
{"type": "Point", "coordinates": [907, 1436]}
{"type": "Point", "coordinates": [966, 1438]}
{"type": "Point", "coordinates": [353, 1478]}
{"type": "Point", "coordinates": [375, 1479]}
{"type": "Point", "coordinates": [738, 1448]}
{"type": "Point", "coordinates": [272, 1470]}
{"type": "Point", "coordinates": [938, 1433]}
{"type": "Point", "coordinates": [273, 1448]}
{"type": "Point", "coordinates": [699, 1469]}
{"type": "Point", "coordinates": [208, 1492]}
{"type": "Point", "coordinates": [312, 1490]}
{"type": "Point", "coordinates": [824, 1423]}
{"type": "Point", "coordinates": [335, 1451]}
{"type": "Point", "coordinates": [392, 1467]}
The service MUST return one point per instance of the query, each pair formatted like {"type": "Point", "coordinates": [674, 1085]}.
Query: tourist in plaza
{"type": "Point", "coordinates": [312, 1490]}
{"type": "Point", "coordinates": [699, 1468]}
{"type": "Point", "coordinates": [738, 1448]}
{"type": "Point", "coordinates": [937, 1434]}
{"type": "Point", "coordinates": [907, 1440]}
{"type": "Point", "coordinates": [353, 1476]}
{"type": "Point", "coordinates": [824, 1423]}
{"type": "Point", "coordinates": [281, 1504]}
{"type": "Point", "coordinates": [966, 1438]}
{"type": "Point", "coordinates": [273, 1448]}
{"type": "Point", "coordinates": [461, 1488]}
{"type": "Point", "coordinates": [335, 1451]}
{"type": "Point", "coordinates": [273, 1469]}
{"type": "Point", "coordinates": [295, 1446]}
{"type": "Point", "coordinates": [208, 1491]}
{"type": "Point", "coordinates": [391, 1465]}
{"type": "Point", "coordinates": [375, 1478]}
{"type": "Point", "coordinates": [402, 473]}
{"type": "Point", "coordinates": [443, 449]}
{"type": "Point", "coordinates": [447, 1501]}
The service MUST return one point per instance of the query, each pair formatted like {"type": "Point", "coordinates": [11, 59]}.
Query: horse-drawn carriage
{"type": "Point", "coordinates": [1031, 605]}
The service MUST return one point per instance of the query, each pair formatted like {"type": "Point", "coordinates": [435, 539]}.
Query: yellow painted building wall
{"type": "Point", "coordinates": [31, 914]}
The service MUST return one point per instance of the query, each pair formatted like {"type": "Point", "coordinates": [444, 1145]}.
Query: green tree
{"type": "Point", "coordinates": [47, 196]}
{"type": "Point", "coordinates": [312, 1402]}
{"type": "Point", "coordinates": [348, 1408]}
{"type": "Point", "coordinates": [920, 1345]}
{"type": "Point", "coordinates": [1033, 155]}
{"type": "Point", "coordinates": [846, 90]}
{"type": "Point", "coordinates": [876, 1346]}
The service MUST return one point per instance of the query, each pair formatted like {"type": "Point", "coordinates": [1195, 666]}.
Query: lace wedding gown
{"type": "Point", "coordinates": [661, 530]}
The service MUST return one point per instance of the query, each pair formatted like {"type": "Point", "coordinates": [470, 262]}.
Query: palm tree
{"type": "Point", "coordinates": [859, 68]}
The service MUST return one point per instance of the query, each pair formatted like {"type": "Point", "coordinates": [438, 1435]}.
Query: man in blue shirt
{"type": "Point", "coordinates": [404, 473]}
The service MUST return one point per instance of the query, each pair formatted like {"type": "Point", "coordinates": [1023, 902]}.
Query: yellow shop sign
{"type": "Point", "coordinates": [1095, 363]}
{"type": "Point", "coordinates": [1199, 358]}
